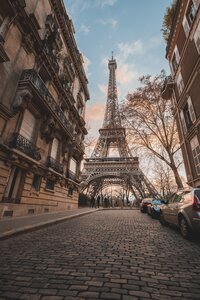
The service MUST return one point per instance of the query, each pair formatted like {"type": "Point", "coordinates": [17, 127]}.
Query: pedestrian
{"type": "Point", "coordinates": [106, 201]}
{"type": "Point", "coordinates": [92, 202]}
{"type": "Point", "coordinates": [98, 201]}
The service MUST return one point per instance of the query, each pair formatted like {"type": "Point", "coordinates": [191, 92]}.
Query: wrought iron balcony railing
{"type": "Point", "coordinates": [51, 57]}
{"type": "Point", "coordinates": [55, 165]}
{"type": "Point", "coordinates": [71, 175]}
{"type": "Point", "coordinates": [11, 200]}
{"type": "Point", "coordinates": [27, 147]}
{"type": "Point", "coordinates": [33, 77]}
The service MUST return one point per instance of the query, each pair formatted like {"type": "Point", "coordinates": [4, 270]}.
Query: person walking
{"type": "Point", "coordinates": [98, 201]}
{"type": "Point", "coordinates": [92, 202]}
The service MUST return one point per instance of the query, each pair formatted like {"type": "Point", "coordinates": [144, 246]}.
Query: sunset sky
{"type": "Point", "coordinates": [130, 28]}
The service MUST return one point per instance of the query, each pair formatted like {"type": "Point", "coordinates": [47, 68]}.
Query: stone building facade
{"type": "Point", "coordinates": [43, 93]}
{"type": "Point", "coordinates": [183, 86]}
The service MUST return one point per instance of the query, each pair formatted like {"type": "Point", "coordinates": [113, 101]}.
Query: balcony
{"type": "Point", "coordinates": [71, 175]}
{"type": "Point", "coordinates": [167, 88]}
{"type": "Point", "coordinates": [57, 40]}
{"type": "Point", "coordinates": [51, 57]}
{"type": "Point", "coordinates": [21, 143]}
{"type": "Point", "coordinates": [50, 23]}
{"type": "Point", "coordinates": [11, 200]}
{"type": "Point", "coordinates": [55, 165]}
{"type": "Point", "coordinates": [32, 77]}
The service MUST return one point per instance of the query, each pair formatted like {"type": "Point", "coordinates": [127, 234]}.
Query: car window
{"type": "Point", "coordinates": [157, 202]}
{"type": "Point", "coordinates": [197, 193]}
{"type": "Point", "coordinates": [175, 198]}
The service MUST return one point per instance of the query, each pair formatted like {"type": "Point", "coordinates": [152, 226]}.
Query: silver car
{"type": "Point", "coordinates": [183, 210]}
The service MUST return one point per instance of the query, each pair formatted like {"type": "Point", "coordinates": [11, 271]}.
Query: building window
{"type": "Point", "coordinates": [197, 38]}
{"type": "Point", "coordinates": [15, 185]}
{"type": "Point", "coordinates": [190, 13]}
{"type": "Point", "coordinates": [36, 182]}
{"type": "Point", "coordinates": [72, 165]}
{"type": "Point", "coordinates": [191, 110]}
{"type": "Point", "coordinates": [55, 148]}
{"type": "Point", "coordinates": [186, 26]}
{"type": "Point", "coordinates": [28, 125]}
{"type": "Point", "coordinates": [187, 115]}
{"type": "Point", "coordinates": [50, 184]}
{"type": "Point", "coordinates": [196, 153]}
{"type": "Point", "coordinates": [180, 84]}
{"type": "Point", "coordinates": [70, 191]}
{"type": "Point", "coordinates": [175, 59]}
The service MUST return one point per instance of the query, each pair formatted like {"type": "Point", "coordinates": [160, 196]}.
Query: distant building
{"type": "Point", "coordinates": [183, 86]}
{"type": "Point", "coordinates": [43, 92]}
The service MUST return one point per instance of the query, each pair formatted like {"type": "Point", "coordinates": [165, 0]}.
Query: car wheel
{"type": "Point", "coordinates": [153, 215]}
{"type": "Point", "coordinates": [162, 220]}
{"type": "Point", "coordinates": [184, 228]}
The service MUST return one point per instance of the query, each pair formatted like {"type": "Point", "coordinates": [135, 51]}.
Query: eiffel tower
{"type": "Point", "coordinates": [111, 162]}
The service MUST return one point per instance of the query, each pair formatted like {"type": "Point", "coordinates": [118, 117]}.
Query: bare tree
{"type": "Point", "coordinates": [89, 141]}
{"type": "Point", "coordinates": [151, 122]}
{"type": "Point", "coordinates": [163, 179]}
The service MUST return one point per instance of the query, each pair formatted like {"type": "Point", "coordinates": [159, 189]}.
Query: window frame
{"type": "Point", "coordinates": [48, 187]}
{"type": "Point", "coordinates": [194, 144]}
{"type": "Point", "coordinates": [180, 83]}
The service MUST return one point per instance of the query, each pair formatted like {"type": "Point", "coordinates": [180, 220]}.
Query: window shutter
{"type": "Point", "coordinates": [194, 142]}
{"type": "Point", "coordinates": [72, 165]}
{"type": "Point", "coordinates": [180, 83]}
{"type": "Point", "coordinates": [197, 37]}
{"type": "Point", "coordinates": [196, 3]}
{"type": "Point", "coordinates": [28, 125]}
{"type": "Point", "coordinates": [177, 54]}
{"type": "Point", "coordinates": [54, 148]}
{"type": "Point", "coordinates": [191, 110]}
{"type": "Point", "coordinates": [171, 67]}
{"type": "Point", "coordinates": [186, 26]}
{"type": "Point", "coordinates": [183, 122]}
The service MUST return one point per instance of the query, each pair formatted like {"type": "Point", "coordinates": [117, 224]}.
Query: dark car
{"type": "Point", "coordinates": [153, 209]}
{"type": "Point", "coordinates": [144, 204]}
{"type": "Point", "coordinates": [183, 210]}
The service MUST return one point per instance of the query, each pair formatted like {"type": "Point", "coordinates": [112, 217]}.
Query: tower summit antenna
{"type": "Point", "coordinates": [112, 55]}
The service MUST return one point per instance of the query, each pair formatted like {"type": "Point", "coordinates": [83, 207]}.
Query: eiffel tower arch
{"type": "Point", "coordinates": [111, 162]}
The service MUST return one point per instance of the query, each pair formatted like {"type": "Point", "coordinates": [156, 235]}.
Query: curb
{"type": "Point", "coordinates": [37, 226]}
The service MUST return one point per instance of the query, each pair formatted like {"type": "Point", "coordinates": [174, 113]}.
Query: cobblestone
{"type": "Point", "coordinates": [116, 254]}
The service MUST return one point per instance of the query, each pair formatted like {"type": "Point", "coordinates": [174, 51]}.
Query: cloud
{"type": "Point", "coordinates": [86, 63]}
{"type": "Point", "coordinates": [112, 22]}
{"type": "Point", "coordinates": [103, 88]}
{"type": "Point", "coordinates": [75, 7]}
{"type": "Point", "coordinates": [127, 49]}
{"type": "Point", "coordinates": [125, 75]}
{"type": "Point", "coordinates": [85, 29]}
{"type": "Point", "coordinates": [95, 112]}
{"type": "Point", "coordinates": [103, 3]}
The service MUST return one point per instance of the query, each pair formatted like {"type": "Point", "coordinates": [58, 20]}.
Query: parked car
{"type": "Point", "coordinates": [153, 209]}
{"type": "Point", "coordinates": [144, 204]}
{"type": "Point", "coordinates": [183, 210]}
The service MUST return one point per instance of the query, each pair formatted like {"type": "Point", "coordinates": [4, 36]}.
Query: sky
{"type": "Point", "coordinates": [129, 28]}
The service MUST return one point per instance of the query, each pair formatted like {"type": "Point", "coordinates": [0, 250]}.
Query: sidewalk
{"type": "Point", "coordinates": [10, 226]}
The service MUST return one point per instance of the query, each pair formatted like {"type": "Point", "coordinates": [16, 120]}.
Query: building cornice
{"type": "Point", "coordinates": [176, 23]}
{"type": "Point", "coordinates": [63, 18]}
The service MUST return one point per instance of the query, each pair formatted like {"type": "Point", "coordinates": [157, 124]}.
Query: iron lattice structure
{"type": "Point", "coordinates": [101, 169]}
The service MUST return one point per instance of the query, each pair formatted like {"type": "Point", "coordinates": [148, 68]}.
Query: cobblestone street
{"type": "Point", "coordinates": [119, 254]}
